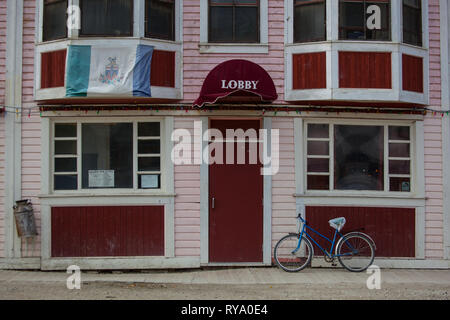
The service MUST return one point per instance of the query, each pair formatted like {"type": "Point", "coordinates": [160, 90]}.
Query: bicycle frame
{"type": "Point", "coordinates": [333, 242]}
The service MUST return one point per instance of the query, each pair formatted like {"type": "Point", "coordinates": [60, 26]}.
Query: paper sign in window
{"type": "Point", "coordinates": [101, 178]}
{"type": "Point", "coordinates": [149, 181]}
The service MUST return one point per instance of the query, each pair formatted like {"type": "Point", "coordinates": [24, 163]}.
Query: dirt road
{"type": "Point", "coordinates": [124, 291]}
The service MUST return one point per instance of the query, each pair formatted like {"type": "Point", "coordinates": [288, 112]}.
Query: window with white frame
{"type": "Point", "coordinates": [309, 20]}
{"type": "Point", "coordinates": [412, 22]}
{"type": "Point", "coordinates": [233, 21]}
{"type": "Point", "coordinates": [358, 157]}
{"type": "Point", "coordinates": [54, 17]}
{"type": "Point", "coordinates": [106, 17]}
{"type": "Point", "coordinates": [105, 155]}
{"type": "Point", "coordinates": [365, 20]}
{"type": "Point", "coordinates": [160, 19]}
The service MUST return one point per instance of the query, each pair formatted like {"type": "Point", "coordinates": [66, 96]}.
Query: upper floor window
{"type": "Point", "coordinates": [412, 22]}
{"type": "Point", "coordinates": [160, 19]}
{"type": "Point", "coordinates": [106, 17]}
{"type": "Point", "coordinates": [55, 20]}
{"type": "Point", "coordinates": [309, 20]}
{"type": "Point", "coordinates": [364, 20]}
{"type": "Point", "coordinates": [234, 21]}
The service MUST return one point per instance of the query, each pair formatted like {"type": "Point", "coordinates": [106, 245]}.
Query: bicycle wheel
{"type": "Point", "coordinates": [356, 252]}
{"type": "Point", "coordinates": [287, 258]}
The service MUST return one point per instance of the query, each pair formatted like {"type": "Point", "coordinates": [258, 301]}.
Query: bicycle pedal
{"type": "Point", "coordinates": [334, 264]}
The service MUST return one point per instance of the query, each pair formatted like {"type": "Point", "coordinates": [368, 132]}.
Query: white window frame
{"type": "Point", "coordinates": [165, 170]}
{"type": "Point", "coordinates": [415, 169]}
{"type": "Point", "coordinates": [261, 47]}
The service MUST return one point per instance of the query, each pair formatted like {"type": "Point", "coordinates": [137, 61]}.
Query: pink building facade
{"type": "Point", "coordinates": [359, 118]}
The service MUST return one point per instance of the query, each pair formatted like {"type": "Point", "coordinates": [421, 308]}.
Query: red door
{"type": "Point", "coordinates": [235, 202]}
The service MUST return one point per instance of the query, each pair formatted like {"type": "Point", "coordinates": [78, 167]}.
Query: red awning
{"type": "Point", "coordinates": [235, 76]}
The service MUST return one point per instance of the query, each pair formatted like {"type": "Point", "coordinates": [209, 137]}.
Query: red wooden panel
{"type": "Point", "coordinates": [107, 231]}
{"type": "Point", "coordinates": [309, 70]}
{"type": "Point", "coordinates": [236, 221]}
{"type": "Point", "coordinates": [163, 69]}
{"type": "Point", "coordinates": [370, 70]}
{"type": "Point", "coordinates": [53, 68]}
{"type": "Point", "coordinates": [392, 229]}
{"type": "Point", "coordinates": [412, 73]}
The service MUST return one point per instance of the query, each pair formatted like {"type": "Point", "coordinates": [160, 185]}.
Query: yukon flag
{"type": "Point", "coordinates": [104, 71]}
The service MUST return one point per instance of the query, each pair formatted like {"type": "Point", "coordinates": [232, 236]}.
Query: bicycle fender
{"type": "Point", "coordinates": [355, 232]}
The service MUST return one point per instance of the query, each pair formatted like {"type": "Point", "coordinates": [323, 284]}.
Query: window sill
{"type": "Point", "coordinates": [58, 195]}
{"type": "Point", "coordinates": [359, 194]}
{"type": "Point", "coordinates": [234, 48]}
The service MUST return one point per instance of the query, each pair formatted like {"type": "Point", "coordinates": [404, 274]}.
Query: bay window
{"type": "Point", "coordinates": [364, 20]}
{"type": "Point", "coordinates": [358, 157]}
{"type": "Point", "coordinates": [412, 22]}
{"type": "Point", "coordinates": [234, 21]}
{"type": "Point", "coordinates": [119, 155]}
{"type": "Point", "coordinates": [309, 20]}
{"type": "Point", "coordinates": [106, 18]}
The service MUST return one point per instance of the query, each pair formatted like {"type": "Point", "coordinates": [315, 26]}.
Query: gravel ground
{"type": "Point", "coordinates": [11, 290]}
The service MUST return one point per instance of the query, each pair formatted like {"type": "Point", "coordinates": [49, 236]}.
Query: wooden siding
{"type": "Point", "coordinates": [163, 69]}
{"type": "Point", "coordinates": [392, 229]}
{"type": "Point", "coordinates": [53, 68]}
{"type": "Point", "coordinates": [2, 122]}
{"type": "Point", "coordinates": [309, 71]}
{"type": "Point", "coordinates": [434, 221]}
{"type": "Point", "coordinates": [412, 73]}
{"type": "Point", "coordinates": [107, 231]}
{"type": "Point", "coordinates": [31, 129]}
{"type": "Point", "coordinates": [195, 69]}
{"type": "Point", "coordinates": [187, 201]}
{"type": "Point", "coordinates": [283, 183]}
{"type": "Point", "coordinates": [370, 70]}
{"type": "Point", "coordinates": [196, 65]}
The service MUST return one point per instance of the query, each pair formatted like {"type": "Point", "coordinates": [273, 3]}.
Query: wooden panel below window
{"type": "Point", "coordinates": [309, 71]}
{"type": "Point", "coordinates": [163, 69]}
{"type": "Point", "coordinates": [412, 73]}
{"type": "Point", "coordinates": [392, 229]}
{"type": "Point", "coordinates": [53, 68]}
{"type": "Point", "coordinates": [368, 70]}
{"type": "Point", "coordinates": [107, 231]}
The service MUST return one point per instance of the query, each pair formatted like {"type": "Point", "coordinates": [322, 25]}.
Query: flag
{"type": "Point", "coordinates": [105, 71]}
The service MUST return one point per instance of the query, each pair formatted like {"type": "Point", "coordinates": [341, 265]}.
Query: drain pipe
{"type": "Point", "coordinates": [13, 124]}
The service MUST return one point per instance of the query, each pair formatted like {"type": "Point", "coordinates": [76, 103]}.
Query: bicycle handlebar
{"type": "Point", "coordinates": [300, 218]}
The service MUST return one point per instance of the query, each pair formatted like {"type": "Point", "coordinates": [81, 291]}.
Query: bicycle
{"type": "Point", "coordinates": [355, 250]}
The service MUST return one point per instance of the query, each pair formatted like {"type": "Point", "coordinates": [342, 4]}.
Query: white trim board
{"type": "Point", "coordinates": [13, 125]}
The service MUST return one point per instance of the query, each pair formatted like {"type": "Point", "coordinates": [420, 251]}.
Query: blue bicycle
{"type": "Point", "coordinates": [355, 250]}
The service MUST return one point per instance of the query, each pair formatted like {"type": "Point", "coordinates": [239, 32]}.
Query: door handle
{"type": "Point", "coordinates": [213, 200]}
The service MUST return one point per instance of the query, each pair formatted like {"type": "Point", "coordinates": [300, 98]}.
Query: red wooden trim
{"type": "Point", "coordinates": [309, 71]}
{"type": "Point", "coordinates": [163, 69]}
{"type": "Point", "coordinates": [53, 68]}
{"type": "Point", "coordinates": [107, 231]}
{"type": "Point", "coordinates": [412, 73]}
{"type": "Point", "coordinates": [392, 229]}
{"type": "Point", "coordinates": [371, 70]}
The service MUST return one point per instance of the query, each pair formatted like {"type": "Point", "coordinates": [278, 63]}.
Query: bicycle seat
{"type": "Point", "coordinates": [337, 223]}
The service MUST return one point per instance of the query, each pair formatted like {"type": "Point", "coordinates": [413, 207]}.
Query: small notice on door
{"type": "Point", "coordinates": [101, 178]}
